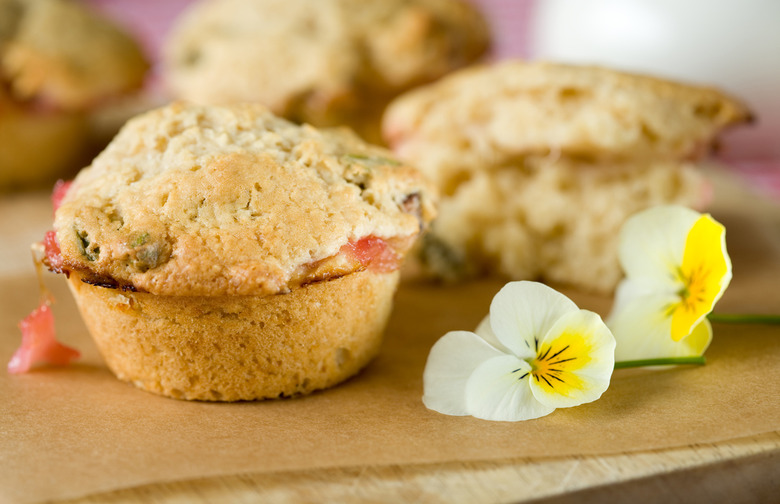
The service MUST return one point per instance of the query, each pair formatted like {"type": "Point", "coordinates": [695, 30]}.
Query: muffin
{"type": "Point", "coordinates": [326, 63]}
{"type": "Point", "coordinates": [59, 62]}
{"type": "Point", "coordinates": [221, 253]}
{"type": "Point", "coordinates": [539, 164]}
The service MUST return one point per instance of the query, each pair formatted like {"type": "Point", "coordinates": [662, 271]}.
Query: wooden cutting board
{"type": "Point", "coordinates": [711, 434]}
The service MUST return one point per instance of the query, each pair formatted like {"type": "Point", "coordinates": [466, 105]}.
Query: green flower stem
{"type": "Point", "coordinates": [738, 318]}
{"type": "Point", "coordinates": [668, 361]}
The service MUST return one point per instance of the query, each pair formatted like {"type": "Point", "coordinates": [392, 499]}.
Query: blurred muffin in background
{"type": "Point", "coordinates": [539, 164]}
{"type": "Point", "coordinates": [327, 63]}
{"type": "Point", "coordinates": [59, 64]}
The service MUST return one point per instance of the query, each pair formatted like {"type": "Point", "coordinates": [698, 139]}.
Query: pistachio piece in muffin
{"type": "Point", "coordinates": [223, 253]}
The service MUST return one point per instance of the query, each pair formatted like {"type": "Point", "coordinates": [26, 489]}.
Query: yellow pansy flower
{"type": "Point", "coordinates": [676, 268]}
{"type": "Point", "coordinates": [536, 351]}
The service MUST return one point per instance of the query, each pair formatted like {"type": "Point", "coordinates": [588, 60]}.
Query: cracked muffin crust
{"type": "Point", "coordinates": [197, 200]}
{"type": "Point", "coordinates": [515, 109]}
{"type": "Point", "coordinates": [539, 164]}
{"type": "Point", "coordinates": [327, 63]}
{"type": "Point", "coordinates": [224, 254]}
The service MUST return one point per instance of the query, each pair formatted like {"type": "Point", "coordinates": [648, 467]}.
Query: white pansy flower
{"type": "Point", "coordinates": [535, 352]}
{"type": "Point", "coordinates": [676, 268]}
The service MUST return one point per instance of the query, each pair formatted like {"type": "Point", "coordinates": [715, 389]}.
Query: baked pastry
{"type": "Point", "coordinates": [539, 164]}
{"type": "Point", "coordinates": [326, 63]}
{"type": "Point", "coordinates": [223, 253]}
{"type": "Point", "coordinates": [59, 61]}
{"type": "Point", "coordinates": [38, 145]}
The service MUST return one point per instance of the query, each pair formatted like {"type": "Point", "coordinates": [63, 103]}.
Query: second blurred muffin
{"type": "Point", "coordinates": [539, 164]}
{"type": "Point", "coordinates": [60, 63]}
{"type": "Point", "coordinates": [326, 63]}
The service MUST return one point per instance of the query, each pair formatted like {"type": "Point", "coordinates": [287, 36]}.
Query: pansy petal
{"type": "Point", "coordinates": [485, 331]}
{"type": "Point", "coordinates": [628, 290]}
{"type": "Point", "coordinates": [699, 340]}
{"type": "Point", "coordinates": [640, 310]}
{"type": "Point", "coordinates": [498, 390]}
{"type": "Point", "coordinates": [523, 312]}
{"type": "Point", "coordinates": [652, 242]}
{"type": "Point", "coordinates": [575, 362]}
{"type": "Point", "coordinates": [450, 363]}
{"type": "Point", "coordinates": [706, 273]}
{"type": "Point", "coordinates": [642, 329]}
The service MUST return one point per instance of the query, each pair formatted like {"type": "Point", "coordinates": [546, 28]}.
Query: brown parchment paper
{"type": "Point", "coordinates": [74, 431]}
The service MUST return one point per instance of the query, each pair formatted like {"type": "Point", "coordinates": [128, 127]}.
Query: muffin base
{"type": "Point", "coordinates": [232, 348]}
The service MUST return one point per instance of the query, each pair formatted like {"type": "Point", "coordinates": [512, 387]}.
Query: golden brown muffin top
{"type": "Point", "coordinates": [197, 200]}
{"type": "Point", "coordinates": [318, 61]}
{"type": "Point", "coordinates": [493, 115]}
{"type": "Point", "coordinates": [62, 53]}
